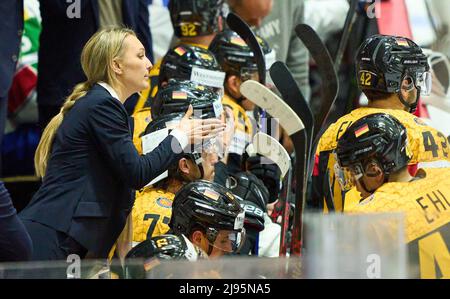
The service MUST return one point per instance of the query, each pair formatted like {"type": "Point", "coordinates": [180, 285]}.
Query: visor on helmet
{"type": "Point", "coordinates": [230, 241]}
{"type": "Point", "coordinates": [249, 74]}
{"type": "Point", "coordinates": [423, 82]}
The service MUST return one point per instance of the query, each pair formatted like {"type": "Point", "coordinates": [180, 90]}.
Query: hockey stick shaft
{"type": "Point", "coordinates": [348, 26]}
{"type": "Point", "coordinates": [330, 85]}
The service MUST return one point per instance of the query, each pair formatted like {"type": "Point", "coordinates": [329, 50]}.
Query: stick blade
{"type": "Point", "coordinates": [269, 147]}
{"type": "Point", "coordinates": [273, 104]}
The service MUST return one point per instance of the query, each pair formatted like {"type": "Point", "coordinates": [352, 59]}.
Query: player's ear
{"type": "Point", "coordinates": [233, 83]}
{"type": "Point", "coordinates": [196, 238]}
{"type": "Point", "coordinates": [407, 86]}
{"type": "Point", "coordinates": [183, 166]}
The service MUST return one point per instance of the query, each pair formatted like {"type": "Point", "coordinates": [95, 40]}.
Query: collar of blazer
{"type": "Point", "coordinates": [109, 88]}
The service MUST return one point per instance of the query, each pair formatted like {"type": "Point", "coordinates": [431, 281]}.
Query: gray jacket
{"type": "Point", "coordinates": [278, 29]}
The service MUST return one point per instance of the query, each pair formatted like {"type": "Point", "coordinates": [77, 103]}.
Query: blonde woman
{"type": "Point", "coordinates": [86, 156]}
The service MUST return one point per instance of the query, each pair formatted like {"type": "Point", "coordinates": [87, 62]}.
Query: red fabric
{"type": "Point", "coordinates": [316, 166]}
{"type": "Point", "coordinates": [24, 82]}
{"type": "Point", "coordinates": [412, 169]}
{"type": "Point", "coordinates": [394, 18]}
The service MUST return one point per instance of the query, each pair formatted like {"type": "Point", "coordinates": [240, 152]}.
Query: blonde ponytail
{"type": "Point", "coordinates": [96, 59]}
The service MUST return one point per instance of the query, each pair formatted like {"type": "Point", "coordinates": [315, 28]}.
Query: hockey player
{"type": "Point", "coordinates": [253, 197]}
{"type": "Point", "coordinates": [238, 62]}
{"type": "Point", "coordinates": [184, 62]}
{"type": "Point", "coordinates": [375, 152]}
{"type": "Point", "coordinates": [207, 218]}
{"type": "Point", "coordinates": [392, 72]}
{"type": "Point", "coordinates": [195, 22]}
{"type": "Point", "coordinates": [153, 206]}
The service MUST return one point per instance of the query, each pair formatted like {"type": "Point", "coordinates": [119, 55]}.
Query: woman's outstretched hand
{"type": "Point", "coordinates": [198, 130]}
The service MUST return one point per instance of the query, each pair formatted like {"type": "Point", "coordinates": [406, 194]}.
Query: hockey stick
{"type": "Point", "coordinates": [245, 32]}
{"type": "Point", "coordinates": [292, 95]}
{"type": "Point", "coordinates": [294, 127]}
{"type": "Point", "coordinates": [348, 26]}
{"type": "Point", "coordinates": [330, 85]}
{"type": "Point", "coordinates": [273, 104]}
{"type": "Point", "coordinates": [286, 84]}
{"type": "Point", "coordinates": [270, 148]}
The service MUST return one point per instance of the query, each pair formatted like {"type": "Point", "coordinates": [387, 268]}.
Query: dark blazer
{"type": "Point", "coordinates": [87, 191]}
{"type": "Point", "coordinates": [62, 39]}
{"type": "Point", "coordinates": [15, 243]}
{"type": "Point", "coordinates": [11, 24]}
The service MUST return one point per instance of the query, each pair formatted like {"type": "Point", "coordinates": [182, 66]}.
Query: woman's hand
{"type": "Point", "coordinates": [198, 130]}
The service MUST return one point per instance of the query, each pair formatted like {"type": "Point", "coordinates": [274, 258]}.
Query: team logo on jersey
{"type": "Point", "coordinates": [419, 121]}
{"type": "Point", "coordinates": [164, 202]}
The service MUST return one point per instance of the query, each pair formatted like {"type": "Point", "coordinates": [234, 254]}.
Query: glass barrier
{"type": "Point", "coordinates": [335, 246]}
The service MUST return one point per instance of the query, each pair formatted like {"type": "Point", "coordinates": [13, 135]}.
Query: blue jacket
{"type": "Point", "coordinates": [62, 40]}
{"type": "Point", "coordinates": [11, 29]}
{"type": "Point", "coordinates": [87, 191]}
{"type": "Point", "coordinates": [15, 243]}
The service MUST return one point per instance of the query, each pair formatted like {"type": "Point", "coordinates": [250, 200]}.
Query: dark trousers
{"type": "Point", "coordinates": [50, 244]}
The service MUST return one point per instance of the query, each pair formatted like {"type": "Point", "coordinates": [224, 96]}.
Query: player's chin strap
{"type": "Point", "coordinates": [361, 181]}
{"type": "Point", "coordinates": [411, 107]}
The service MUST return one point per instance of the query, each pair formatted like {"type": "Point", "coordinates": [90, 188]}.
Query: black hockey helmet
{"type": "Point", "coordinates": [191, 18]}
{"type": "Point", "coordinates": [235, 56]}
{"type": "Point", "coordinates": [163, 247]}
{"type": "Point", "coordinates": [377, 137]}
{"type": "Point", "coordinates": [383, 62]}
{"type": "Point", "coordinates": [210, 207]}
{"type": "Point", "coordinates": [253, 196]}
{"type": "Point", "coordinates": [270, 174]}
{"type": "Point", "coordinates": [177, 95]}
{"type": "Point", "coordinates": [188, 62]}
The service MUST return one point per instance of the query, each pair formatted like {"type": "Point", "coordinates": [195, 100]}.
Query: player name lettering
{"type": "Point", "coordinates": [433, 204]}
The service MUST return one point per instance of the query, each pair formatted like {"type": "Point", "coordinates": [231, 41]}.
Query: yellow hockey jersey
{"type": "Point", "coordinates": [151, 213]}
{"type": "Point", "coordinates": [243, 128]}
{"type": "Point", "coordinates": [426, 207]}
{"type": "Point", "coordinates": [426, 143]}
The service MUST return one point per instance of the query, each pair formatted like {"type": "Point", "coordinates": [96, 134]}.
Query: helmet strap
{"type": "Point", "coordinates": [411, 107]}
